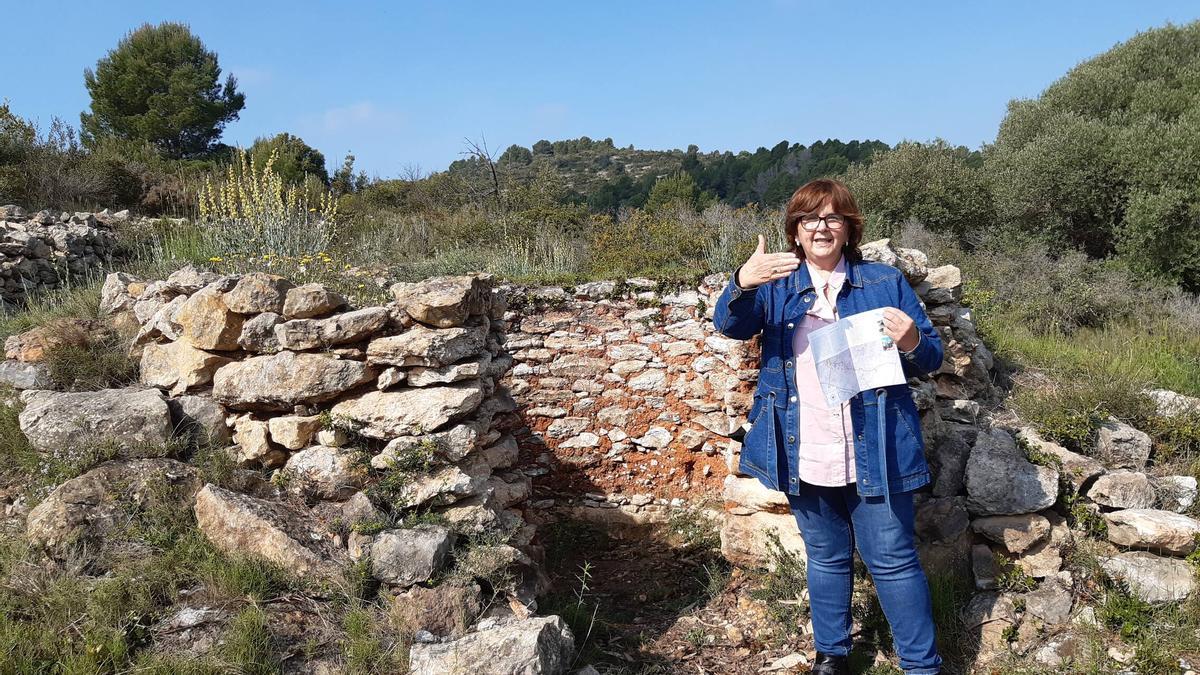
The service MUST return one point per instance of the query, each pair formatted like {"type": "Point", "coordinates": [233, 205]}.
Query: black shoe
{"type": "Point", "coordinates": [828, 664]}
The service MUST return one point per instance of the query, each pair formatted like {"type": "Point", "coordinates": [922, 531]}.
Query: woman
{"type": "Point", "coordinates": [848, 469]}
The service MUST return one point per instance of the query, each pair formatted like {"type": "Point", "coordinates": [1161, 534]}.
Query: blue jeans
{"type": "Point", "coordinates": [832, 521]}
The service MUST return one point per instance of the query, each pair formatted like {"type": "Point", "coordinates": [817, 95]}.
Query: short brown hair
{"type": "Point", "coordinates": [809, 198]}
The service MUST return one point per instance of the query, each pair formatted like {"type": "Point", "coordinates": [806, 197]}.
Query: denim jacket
{"type": "Point", "coordinates": [888, 447]}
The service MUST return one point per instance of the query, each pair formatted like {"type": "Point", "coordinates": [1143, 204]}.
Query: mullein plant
{"type": "Point", "coordinates": [255, 221]}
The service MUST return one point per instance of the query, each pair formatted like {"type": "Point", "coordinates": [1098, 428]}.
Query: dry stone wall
{"type": "Point", "coordinates": [343, 424]}
{"type": "Point", "coordinates": [633, 402]}
{"type": "Point", "coordinates": [42, 250]}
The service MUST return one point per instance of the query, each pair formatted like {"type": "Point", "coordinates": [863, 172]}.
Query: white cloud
{"type": "Point", "coordinates": [357, 116]}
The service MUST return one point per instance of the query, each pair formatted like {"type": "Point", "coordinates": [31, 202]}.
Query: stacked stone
{"type": "Point", "coordinates": [42, 250]}
{"type": "Point", "coordinates": [263, 365]}
{"type": "Point", "coordinates": [628, 395]}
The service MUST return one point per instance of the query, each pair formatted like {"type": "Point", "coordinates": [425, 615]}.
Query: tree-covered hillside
{"type": "Point", "coordinates": [607, 177]}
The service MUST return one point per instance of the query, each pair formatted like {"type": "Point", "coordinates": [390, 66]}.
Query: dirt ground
{"type": "Point", "coordinates": [650, 605]}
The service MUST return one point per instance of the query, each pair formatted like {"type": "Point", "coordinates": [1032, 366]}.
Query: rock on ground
{"type": "Point", "coordinates": [280, 533]}
{"type": "Point", "coordinates": [1153, 529]}
{"type": "Point", "coordinates": [533, 646]}
{"type": "Point", "coordinates": [322, 472]}
{"type": "Point", "coordinates": [1017, 533]}
{"type": "Point", "coordinates": [91, 507]}
{"type": "Point", "coordinates": [1152, 578]}
{"type": "Point", "coordinates": [404, 557]}
{"type": "Point", "coordinates": [1123, 489]}
{"type": "Point", "coordinates": [1122, 446]}
{"type": "Point", "coordinates": [178, 366]}
{"type": "Point", "coordinates": [62, 423]}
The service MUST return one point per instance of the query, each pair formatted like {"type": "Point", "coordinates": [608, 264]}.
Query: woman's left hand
{"type": "Point", "coordinates": [900, 327]}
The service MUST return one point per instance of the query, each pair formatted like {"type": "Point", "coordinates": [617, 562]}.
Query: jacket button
{"type": "Point", "coordinates": [791, 439]}
{"type": "Point", "coordinates": [793, 480]}
{"type": "Point", "coordinates": [793, 399]}
{"type": "Point", "coordinates": [866, 481]}
{"type": "Point", "coordinates": [789, 364]}
{"type": "Point", "coordinates": [860, 437]}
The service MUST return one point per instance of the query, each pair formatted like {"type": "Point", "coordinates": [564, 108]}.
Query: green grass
{"type": "Point", "coordinates": [78, 300]}
{"type": "Point", "coordinates": [58, 619]}
{"type": "Point", "coordinates": [784, 587]}
{"type": "Point", "coordinates": [1156, 353]}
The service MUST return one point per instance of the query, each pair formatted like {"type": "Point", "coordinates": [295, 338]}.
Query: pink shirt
{"type": "Point", "coordinates": [826, 451]}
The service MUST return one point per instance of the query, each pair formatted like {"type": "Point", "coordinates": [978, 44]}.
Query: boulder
{"type": "Point", "coordinates": [258, 334]}
{"type": "Point", "coordinates": [1177, 493]}
{"type": "Point", "coordinates": [114, 293]}
{"type": "Point", "coordinates": [276, 532]}
{"type": "Point", "coordinates": [403, 557]}
{"type": "Point", "coordinates": [948, 461]}
{"type": "Point", "coordinates": [540, 645]}
{"type": "Point", "coordinates": [23, 376]}
{"type": "Point", "coordinates": [256, 293]}
{"type": "Point", "coordinates": [1075, 468]}
{"type": "Point", "coordinates": [163, 323]}
{"type": "Point", "coordinates": [322, 472]}
{"type": "Point", "coordinates": [207, 323]}
{"type": "Point", "coordinates": [992, 614]}
{"type": "Point", "coordinates": [1016, 533]}
{"type": "Point", "coordinates": [1153, 529]}
{"type": "Point", "coordinates": [423, 346]}
{"type": "Point", "coordinates": [1172, 404]}
{"type": "Point", "coordinates": [1123, 489]}
{"type": "Point", "coordinates": [749, 493]}
{"type": "Point", "coordinates": [1050, 602]}
{"type": "Point", "coordinates": [444, 610]}
{"type": "Point", "coordinates": [137, 420]}
{"type": "Point", "coordinates": [178, 366]}
{"type": "Point", "coordinates": [445, 302]}
{"type": "Point", "coordinates": [940, 519]}
{"type": "Point", "coordinates": [97, 505]}
{"type": "Point", "coordinates": [1001, 481]}
{"type": "Point", "coordinates": [334, 330]}
{"type": "Point", "coordinates": [200, 416]}
{"type": "Point", "coordinates": [1152, 578]}
{"type": "Point", "coordinates": [408, 412]}
{"type": "Point", "coordinates": [284, 380]}
{"type": "Point", "coordinates": [451, 444]}
{"type": "Point", "coordinates": [1121, 446]}
{"type": "Point", "coordinates": [309, 300]}
{"type": "Point", "coordinates": [985, 568]}
{"type": "Point", "coordinates": [1041, 560]}
{"type": "Point", "coordinates": [744, 538]}
{"type": "Point", "coordinates": [254, 444]}
{"type": "Point", "coordinates": [294, 431]}
{"type": "Point", "coordinates": [188, 279]}
{"type": "Point", "coordinates": [942, 285]}
{"type": "Point", "coordinates": [445, 485]}
{"type": "Point", "coordinates": [33, 345]}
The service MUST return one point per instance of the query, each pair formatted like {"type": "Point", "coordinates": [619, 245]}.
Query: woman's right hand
{"type": "Point", "coordinates": [762, 267]}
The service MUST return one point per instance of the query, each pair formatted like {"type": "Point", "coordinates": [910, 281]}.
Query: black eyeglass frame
{"type": "Point", "coordinates": [814, 221]}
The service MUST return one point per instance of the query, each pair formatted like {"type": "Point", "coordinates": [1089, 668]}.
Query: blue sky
{"type": "Point", "coordinates": [401, 84]}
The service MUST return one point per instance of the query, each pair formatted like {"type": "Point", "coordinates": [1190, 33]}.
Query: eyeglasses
{"type": "Point", "coordinates": [834, 221]}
